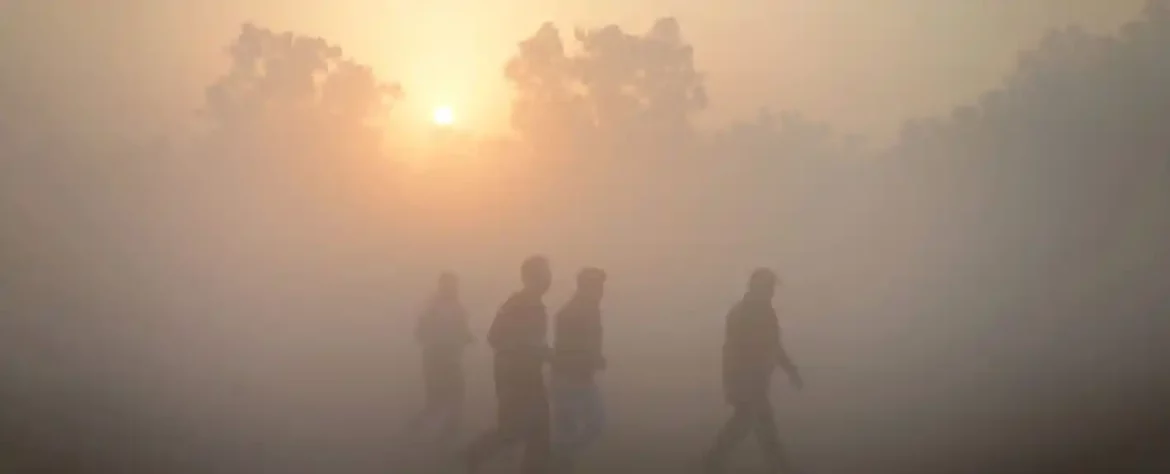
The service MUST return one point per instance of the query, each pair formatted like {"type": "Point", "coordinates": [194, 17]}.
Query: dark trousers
{"type": "Point", "coordinates": [523, 417]}
{"type": "Point", "coordinates": [750, 417]}
{"type": "Point", "coordinates": [443, 385]}
{"type": "Point", "coordinates": [443, 378]}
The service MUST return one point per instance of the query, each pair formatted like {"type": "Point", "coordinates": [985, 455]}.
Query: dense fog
{"type": "Point", "coordinates": [987, 291]}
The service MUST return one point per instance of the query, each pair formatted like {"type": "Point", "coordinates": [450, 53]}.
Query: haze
{"type": "Point", "coordinates": [218, 221]}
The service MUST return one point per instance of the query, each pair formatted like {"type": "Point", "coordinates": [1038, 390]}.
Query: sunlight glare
{"type": "Point", "coordinates": [443, 116]}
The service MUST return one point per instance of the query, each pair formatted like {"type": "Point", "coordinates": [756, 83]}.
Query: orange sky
{"type": "Point", "coordinates": [865, 66]}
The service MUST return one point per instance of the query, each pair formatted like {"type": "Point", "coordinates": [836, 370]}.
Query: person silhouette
{"type": "Point", "coordinates": [752, 348]}
{"type": "Point", "coordinates": [518, 337]}
{"type": "Point", "coordinates": [578, 411]}
{"type": "Point", "coordinates": [442, 332]}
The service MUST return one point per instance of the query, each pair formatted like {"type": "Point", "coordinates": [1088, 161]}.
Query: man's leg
{"type": "Point", "coordinates": [572, 420]}
{"type": "Point", "coordinates": [417, 424]}
{"type": "Point", "coordinates": [537, 435]}
{"type": "Point", "coordinates": [449, 424]}
{"type": "Point", "coordinates": [769, 437]}
{"type": "Point", "coordinates": [734, 430]}
{"type": "Point", "coordinates": [510, 426]}
{"type": "Point", "coordinates": [565, 419]}
{"type": "Point", "coordinates": [418, 421]}
{"type": "Point", "coordinates": [592, 417]}
{"type": "Point", "coordinates": [442, 387]}
{"type": "Point", "coordinates": [453, 408]}
{"type": "Point", "coordinates": [485, 447]}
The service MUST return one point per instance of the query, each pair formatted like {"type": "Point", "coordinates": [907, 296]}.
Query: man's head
{"type": "Point", "coordinates": [536, 274]}
{"type": "Point", "coordinates": [591, 283]}
{"type": "Point", "coordinates": [448, 285]}
{"type": "Point", "coordinates": [762, 284]}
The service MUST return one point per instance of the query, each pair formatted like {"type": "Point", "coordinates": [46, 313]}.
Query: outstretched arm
{"type": "Point", "coordinates": [785, 362]}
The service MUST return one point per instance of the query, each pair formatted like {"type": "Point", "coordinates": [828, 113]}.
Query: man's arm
{"type": "Point", "coordinates": [540, 343]}
{"type": "Point", "coordinates": [733, 330]}
{"type": "Point", "coordinates": [596, 343]}
{"type": "Point", "coordinates": [498, 332]}
{"type": "Point", "coordinates": [785, 362]}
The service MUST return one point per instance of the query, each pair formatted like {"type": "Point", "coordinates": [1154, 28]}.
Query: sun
{"type": "Point", "coordinates": [443, 116]}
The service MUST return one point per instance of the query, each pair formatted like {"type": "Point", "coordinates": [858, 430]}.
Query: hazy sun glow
{"type": "Point", "coordinates": [443, 116]}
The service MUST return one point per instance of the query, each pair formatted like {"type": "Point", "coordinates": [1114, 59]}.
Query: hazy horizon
{"type": "Point", "coordinates": [826, 59]}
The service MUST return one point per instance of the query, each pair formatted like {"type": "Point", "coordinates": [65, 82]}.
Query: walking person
{"type": "Point", "coordinates": [578, 411]}
{"type": "Point", "coordinates": [443, 333]}
{"type": "Point", "coordinates": [752, 349]}
{"type": "Point", "coordinates": [518, 336]}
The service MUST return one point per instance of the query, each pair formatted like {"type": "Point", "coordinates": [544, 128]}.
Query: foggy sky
{"type": "Point", "coordinates": [865, 66]}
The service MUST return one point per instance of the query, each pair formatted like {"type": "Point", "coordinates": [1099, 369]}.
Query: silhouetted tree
{"type": "Point", "coordinates": [622, 94]}
{"type": "Point", "coordinates": [1050, 193]}
{"type": "Point", "coordinates": [547, 109]}
{"type": "Point", "coordinates": [643, 89]}
{"type": "Point", "coordinates": [298, 89]}
{"type": "Point", "coordinates": [294, 117]}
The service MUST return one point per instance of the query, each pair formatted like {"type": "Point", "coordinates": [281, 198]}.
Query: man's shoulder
{"type": "Point", "coordinates": [445, 308]}
{"type": "Point", "coordinates": [743, 309]}
{"type": "Point", "coordinates": [520, 302]}
{"type": "Point", "coordinates": [570, 309]}
{"type": "Point", "coordinates": [736, 310]}
{"type": "Point", "coordinates": [578, 310]}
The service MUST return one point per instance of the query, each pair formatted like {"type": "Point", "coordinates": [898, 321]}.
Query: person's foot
{"type": "Point", "coordinates": [777, 463]}
{"type": "Point", "coordinates": [781, 467]}
{"type": "Point", "coordinates": [562, 463]}
{"type": "Point", "coordinates": [470, 461]}
{"type": "Point", "coordinates": [711, 464]}
{"type": "Point", "coordinates": [412, 425]}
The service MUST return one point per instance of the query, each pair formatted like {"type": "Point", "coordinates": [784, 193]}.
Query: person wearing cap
{"type": "Point", "coordinates": [578, 412]}
{"type": "Point", "coordinates": [752, 348]}
{"type": "Point", "coordinates": [443, 332]}
{"type": "Point", "coordinates": [518, 337]}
